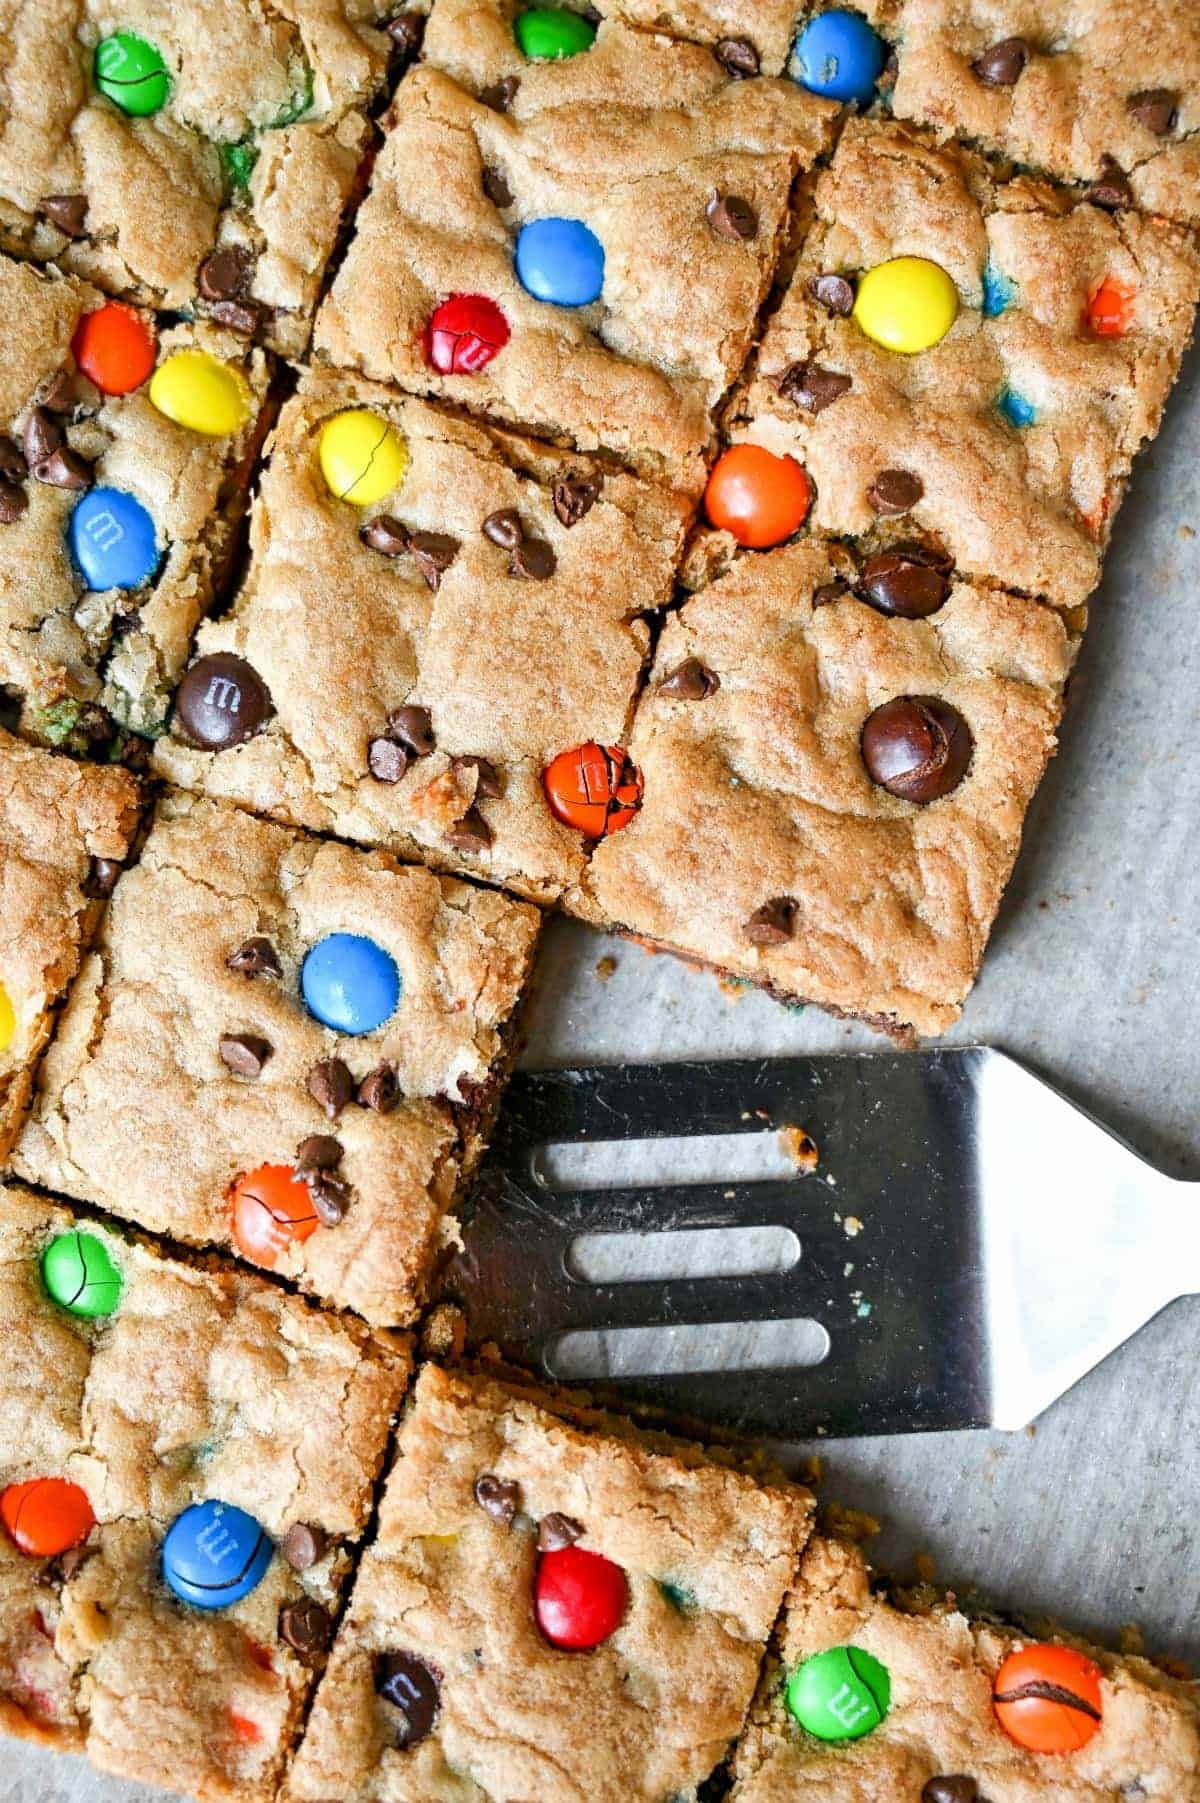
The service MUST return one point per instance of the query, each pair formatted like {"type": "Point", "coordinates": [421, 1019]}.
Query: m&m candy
{"type": "Point", "coordinates": [553, 32]}
{"type": "Point", "coordinates": [1109, 312]}
{"type": "Point", "coordinates": [838, 55]}
{"type": "Point", "coordinates": [560, 261]}
{"type": "Point", "coordinates": [112, 539]}
{"type": "Point", "coordinates": [215, 1554]}
{"type": "Point", "coordinates": [270, 1208]}
{"type": "Point", "coordinates": [907, 304]}
{"type": "Point", "coordinates": [131, 73]}
{"type": "Point", "coordinates": [840, 1694]}
{"type": "Point", "coordinates": [46, 1516]}
{"type": "Point", "coordinates": [201, 392]}
{"type": "Point", "coordinates": [759, 497]}
{"type": "Point", "coordinates": [464, 334]}
{"type": "Point", "coordinates": [362, 457]}
{"type": "Point", "coordinates": [593, 788]}
{"type": "Point", "coordinates": [579, 1598]}
{"type": "Point", "coordinates": [8, 1019]}
{"type": "Point", "coordinates": [350, 983]}
{"type": "Point", "coordinates": [114, 347]}
{"type": "Point", "coordinates": [1016, 409]}
{"type": "Point", "coordinates": [79, 1274]}
{"type": "Point", "coordinates": [1048, 1699]}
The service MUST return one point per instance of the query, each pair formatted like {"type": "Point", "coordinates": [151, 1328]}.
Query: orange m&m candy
{"type": "Point", "coordinates": [114, 347]}
{"type": "Point", "coordinates": [762, 499]}
{"type": "Point", "coordinates": [1109, 312]}
{"type": "Point", "coordinates": [271, 1207]}
{"type": "Point", "coordinates": [46, 1516]}
{"type": "Point", "coordinates": [593, 788]}
{"type": "Point", "coordinates": [1047, 1699]}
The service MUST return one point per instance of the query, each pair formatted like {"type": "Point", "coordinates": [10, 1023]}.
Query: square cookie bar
{"type": "Point", "coordinates": [187, 1461]}
{"type": "Point", "coordinates": [125, 450]}
{"type": "Point", "coordinates": [190, 152]}
{"type": "Point", "coordinates": [914, 1702]}
{"type": "Point", "coordinates": [553, 1607]}
{"type": "Point", "coordinates": [64, 830]}
{"type": "Point", "coordinates": [833, 797]}
{"type": "Point", "coordinates": [978, 358]}
{"type": "Point", "coordinates": [286, 1048]}
{"type": "Point", "coordinates": [587, 240]}
{"type": "Point", "coordinates": [434, 613]}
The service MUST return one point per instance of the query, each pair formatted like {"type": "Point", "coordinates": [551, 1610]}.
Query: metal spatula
{"type": "Point", "coordinates": [969, 1244]}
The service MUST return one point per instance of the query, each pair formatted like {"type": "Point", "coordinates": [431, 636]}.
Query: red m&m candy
{"type": "Point", "coordinates": [46, 1516]}
{"type": "Point", "coordinates": [762, 499]}
{"type": "Point", "coordinates": [464, 334]}
{"type": "Point", "coordinates": [114, 347]}
{"type": "Point", "coordinates": [271, 1207]}
{"type": "Point", "coordinates": [579, 1598]}
{"type": "Point", "coordinates": [593, 788]}
{"type": "Point", "coordinates": [1047, 1699]}
{"type": "Point", "coordinates": [1109, 312]}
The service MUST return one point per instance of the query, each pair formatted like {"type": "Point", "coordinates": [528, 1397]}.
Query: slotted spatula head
{"type": "Point", "coordinates": [970, 1243]}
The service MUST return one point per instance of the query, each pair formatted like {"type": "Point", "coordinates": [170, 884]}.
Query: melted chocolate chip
{"type": "Point", "coordinates": [496, 188]}
{"type": "Point", "coordinates": [244, 1053]}
{"type": "Point", "coordinates": [67, 211]}
{"type": "Point", "coordinates": [58, 392]}
{"type": "Point", "coordinates": [917, 747]}
{"type": "Point", "coordinates": [574, 497]}
{"type": "Point", "coordinates": [471, 833]}
{"type": "Point", "coordinates": [256, 957]}
{"type": "Point", "coordinates": [13, 502]}
{"type": "Point", "coordinates": [62, 1568]}
{"type": "Point", "coordinates": [42, 436]}
{"type": "Point", "coordinates": [319, 1152]}
{"type": "Point", "coordinates": [64, 468]}
{"type": "Point", "coordinates": [413, 1687]}
{"type": "Point", "coordinates": [556, 1531]}
{"type": "Point", "coordinates": [504, 528]}
{"type": "Point", "coordinates": [497, 1497]}
{"type": "Point", "coordinates": [774, 922]}
{"type": "Point", "coordinates": [901, 581]}
{"type": "Point", "coordinates": [488, 784]}
{"type": "Point", "coordinates": [738, 56]}
{"type": "Point", "coordinates": [386, 760]}
{"type": "Point", "coordinates": [303, 1545]}
{"type": "Point", "coordinates": [827, 594]}
{"type": "Point", "coordinates": [894, 492]}
{"type": "Point", "coordinates": [690, 681]}
{"type": "Point", "coordinates": [304, 1625]}
{"type": "Point", "coordinates": [955, 1789]}
{"type": "Point", "coordinates": [331, 1086]}
{"type": "Point", "coordinates": [433, 553]}
{"type": "Point", "coordinates": [812, 387]}
{"type": "Point", "coordinates": [330, 1197]}
{"type": "Point", "coordinates": [237, 316]}
{"type": "Point", "coordinates": [501, 94]}
{"type": "Point", "coordinates": [406, 31]}
{"type": "Point", "coordinates": [1155, 108]}
{"type": "Point", "coordinates": [225, 275]}
{"type": "Point", "coordinates": [835, 293]}
{"type": "Point", "coordinates": [13, 467]}
{"type": "Point", "coordinates": [101, 878]}
{"type": "Point", "coordinates": [1111, 189]}
{"type": "Point", "coordinates": [732, 217]}
{"type": "Point", "coordinates": [412, 727]}
{"type": "Point", "coordinates": [534, 559]}
{"type": "Point", "coordinates": [1003, 65]}
{"type": "Point", "coordinates": [379, 1089]}
{"type": "Point", "coordinates": [384, 534]}
{"type": "Point", "coordinates": [222, 701]}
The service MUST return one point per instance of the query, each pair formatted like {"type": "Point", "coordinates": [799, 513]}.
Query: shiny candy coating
{"type": "Point", "coordinates": [917, 747]}
{"type": "Point", "coordinates": [270, 1208]}
{"type": "Point", "coordinates": [579, 1598]}
{"type": "Point", "coordinates": [132, 73]}
{"type": "Point", "coordinates": [8, 1019]}
{"type": "Point", "coordinates": [464, 334]}
{"type": "Point", "coordinates": [840, 1694]}
{"type": "Point", "coordinates": [998, 292]}
{"type": "Point", "coordinates": [79, 1274]}
{"type": "Point", "coordinates": [362, 457]}
{"type": "Point", "coordinates": [907, 304]}
{"type": "Point", "coordinates": [560, 261]}
{"type": "Point", "coordinates": [112, 539]}
{"type": "Point", "coordinates": [46, 1516]}
{"type": "Point", "coordinates": [202, 393]}
{"type": "Point", "coordinates": [1109, 312]}
{"type": "Point", "coordinates": [114, 347]}
{"type": "Point", "coordinates": [1016, 409]}
{"type": "Point", "coordinates": [546, 33]}
{"type": "Point", "coordinates": [839, 56]}
{"type": "Point", "coordinates": [1048, 1699]}
{"type": "Point", "coordinates": [214, 1554]}
{"type": "Point", "coordinates": [593, 788]}
{"type": "Point", "coordinates": [350, 983]}
{"type": "Point", "coordinates": [222, 701]}
{"type": "Point", "coordinates": [762, 499]}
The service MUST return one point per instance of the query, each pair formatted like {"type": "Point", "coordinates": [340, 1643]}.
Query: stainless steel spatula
{"type": "Point", "coordinates": [968, 1246]}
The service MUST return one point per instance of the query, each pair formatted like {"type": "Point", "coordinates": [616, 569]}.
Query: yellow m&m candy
{"type": "Point", "coordinates": [908, 304]}
{"type": "Point", "coordinates": [202, 393]}
{"type": "Point", "coordinates": [362, 458]}
{"type": "Point", "coordinates": [8, 1019]}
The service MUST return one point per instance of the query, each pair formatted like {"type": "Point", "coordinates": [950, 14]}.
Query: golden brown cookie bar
{"type": "Point", "coordinates": [64, 829]}
{"type": "Point", "coordinates": [553, 1607]}
{"type": "Point", "coordinates": [941, 1739]}
{"type": "Point", "coordinates": [614, 226]}
{"type": "Point", "coordinates": [194, 1085]}
{"type": "Point", "coordinates": [350, 614]}
{"type": "Point", "coordinates": [744, 33]}
{"type": "Point", "coordinates": [150, 1386]}
{"type": "Point", "coordinates": [765, 848]}
{"type": "Point", "coordinates": [135, 144]}
{"type": "Point", "coordinates": [118, 503]}
{"type": "Point", "coordinates": [1013, 434]}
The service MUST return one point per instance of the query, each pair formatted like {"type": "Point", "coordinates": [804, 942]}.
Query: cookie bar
{"type": "Point", "coordinates": [977, 358]}
{"type": "Point", "coordinates": [190, 152]}
{"type": "Point", "coordinates": [136, 1391]}
{"type": "Point", "coordinates": [125, 450]}
{"type": "Point", "coordinates": [553, 1607]}
{"type": "Point", "coordinates": [913, 1702]}
{"type": "Point", "coordinates": [64, 830]}
{"type": "Point", "coordinates": [833, 795]}
{"type": "Point", "coordinates": [286, 1048]}
{"type": "Point", "coordinates": [845, 59]}
{"type": "Point", "coordinates": [572, 229]}
{"type": "Point", "coordinates": [427, 634]}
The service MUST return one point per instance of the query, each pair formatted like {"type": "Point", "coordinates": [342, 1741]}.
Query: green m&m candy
{"type": "Point", "coordinates": [840, 1694]}
{"type": "Point", "coordinates": [80, 1275]}
{"type": "Point", "coordinates": [552, 32]}
{"type": "Point", "coordinates": [132, 73]}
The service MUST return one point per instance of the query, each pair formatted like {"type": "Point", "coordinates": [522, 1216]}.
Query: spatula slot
{"type": "Point", "coordinates": [590, 1354]}
{"type": "Point", "coordinates": [691, 1252]}
{"type": "Point", "coordinates": [655, 1163]}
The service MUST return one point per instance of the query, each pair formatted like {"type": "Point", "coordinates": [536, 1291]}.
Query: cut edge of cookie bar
{"type": "Point", "coordinates": [941, 1656]}
{"type": "Point", "coordinates": [489, 1478]}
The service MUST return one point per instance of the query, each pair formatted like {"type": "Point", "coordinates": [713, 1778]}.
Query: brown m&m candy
{"type": "Point", "coordinates": [906, 580]}
{"type": "Point", "coordinates": [917, 747]}
{"type": "Point", "coordinates": [413, 1688]}
{"type": "Point", "coordinates": [952, 1787]}
{"type": "Point", "coordinates": [222, 701]}
{"type": "Point", "coordinates": [1048, 1699]}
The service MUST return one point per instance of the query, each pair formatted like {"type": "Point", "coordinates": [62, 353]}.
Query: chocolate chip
{"type": "Point", "coordinates": [950, 1790]}
{"type": "Point", "coordinates": [58, 393]}
{"type": "Point", "coordinates": [835, 293]}
{"type": "Point", "coordinates": [898, 582]}
{"type": "Point", "coordinates": [738, 56]}
{"type": "Point", "coordinates": [497, 1497]}
{"type": "Point", "coordinates": [488, 784]}
{"type": "Point", "coordinates": [1155, 108]}
{"type": "Point", "coordinates": [504, 528]}
{"type": "Point", "coordinates": [894, 492]}
{"type": "Point", "coordinates": [255, 957]}
{"type": "Point", "coordinates": [384, 534]}
{"type": "Point", "coordinates": [236, 316]}
{"type": "Point", "coordinates": [412, 1686]}
{"type": "Point", "coordinates": [827, 594]}
{"type": "Point", "coordinates": [433, 553]}
{"type": "Point", "coordinates": [732, 217]}
{"type": "Point", "coordinates": [225, 275]}
{"type": "Point", "coordinates": [101, 878]}
{"type": "Point", "coordinates": [379, 1089]}
{"type": "Point", "coordinates": [774, 922]}
{"type": "Point", "coordinates": [1003, 64]}
{"type": "Point", "coordinates": [67, 211]}
{"type": "Point", "coordinates": [556, 1531]}
{"type": "Point", "coordinates": [319, 1152]}
{"type": "Point", "coordinates": [62, 1568]}
{"type": "Point", "coordinates": [534, 560]}
{"type": "Point", "coordinates": [386, 760]}
{"type": "Point", "coordinates": [303, 1545]}
{"type": "Point", "coordinates": [496, 188]}
{"type": "Point", "coordinates": [501, 94]}
{"type": "Point", "coordinates": [304, 1625]}
{"type": "Point", "coordinates": [471, 833]}
{"type": "Point", "coordinates": [222, 701]}
{"type": "Point", "coordinates": [690, 681]}
{"type": "Point", "coordinates": [917, 747]}
{"type": "Point", "coordinates": [1111, 190]}
{"type": "Point", "coordinates": [412, 727]}
{"type": "Point", "coordinates": [42, 436]}
{"type": "Point", "coordinates": [574, 497]}
{"type": "Point", "coordinates": [331, 1086]}
{"type": "Point", "coordinates": [13, 467]}
{"type": "Point", "coordinates": [406, 31]}
{"type": "Point", "coordinates": [64, 468]}
{"type": "Point", "coordinates": [812, 387]}
{"type": "Point", "coordinates": [245, 1053]}
{"type": "Point", "coordinates": [330, 1197]}
{"type": "Point", "coordinates": [13, 502]}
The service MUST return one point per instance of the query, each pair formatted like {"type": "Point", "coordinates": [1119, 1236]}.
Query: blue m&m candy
{"type": "Point", "coordinates": [214, 1554]}
{"type": "Point", "coordinates": [350, 983]}
{"type": "Point", "coordinates": [838, 55]}
{"type": "Point", "coordinates": [112, 540]}
{"type": "Point", "coordinates": [561, 261]}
